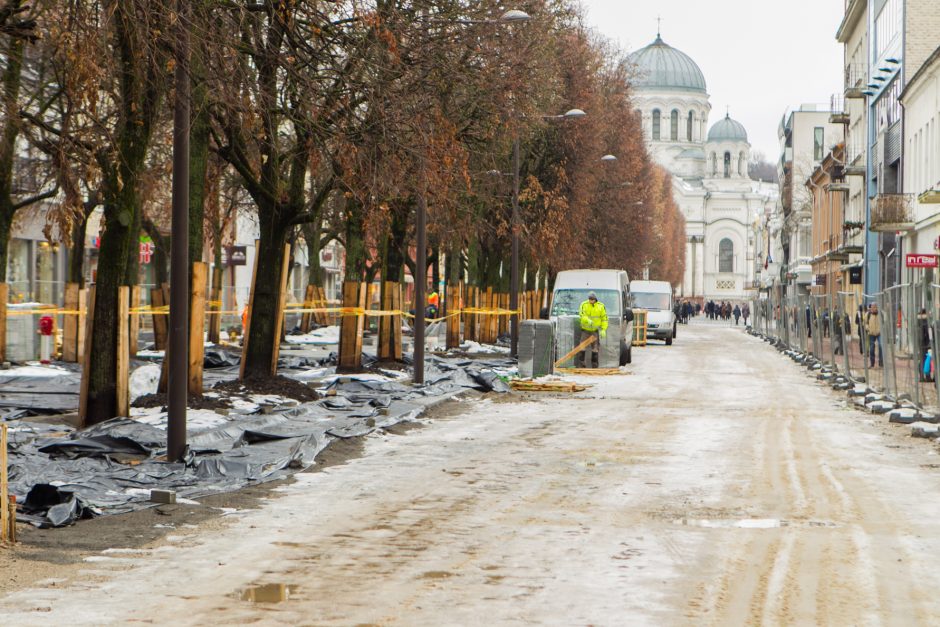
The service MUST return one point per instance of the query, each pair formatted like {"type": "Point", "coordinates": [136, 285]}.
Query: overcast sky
{"type": "Point", "coordinates": [758, 56]}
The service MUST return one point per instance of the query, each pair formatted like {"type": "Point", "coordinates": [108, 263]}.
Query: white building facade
{"type": "Point", "coordinates": [709, 168]}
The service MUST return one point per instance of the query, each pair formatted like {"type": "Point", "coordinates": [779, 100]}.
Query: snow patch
{"type": "Point", "coordinates": [144, 380]}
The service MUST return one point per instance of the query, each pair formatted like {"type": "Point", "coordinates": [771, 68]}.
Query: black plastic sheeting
{"type": "Point", "coordinates": [110, 468]}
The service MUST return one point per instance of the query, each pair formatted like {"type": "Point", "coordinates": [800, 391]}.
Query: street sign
{"type": "Point", "coordinates": [235, 255]}
{"type": "Point", "coordinates": [916, 260]}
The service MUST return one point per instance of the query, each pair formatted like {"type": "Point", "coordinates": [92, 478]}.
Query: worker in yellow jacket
{"type": "Point", "coordinates": [593, 316]}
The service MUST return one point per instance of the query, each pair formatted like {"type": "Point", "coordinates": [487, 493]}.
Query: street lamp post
{"type": "Point", "coordinates": [421, 254]}
{"type": "Point", "coordinates": [177, 378]}
{"type": "Point", "coordinates": [514, 264]}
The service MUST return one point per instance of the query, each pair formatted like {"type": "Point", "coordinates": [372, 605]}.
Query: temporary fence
{"type": "Point", "coordinates": [893, 355]}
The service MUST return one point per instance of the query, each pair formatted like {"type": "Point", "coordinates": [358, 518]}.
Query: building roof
{"type": "Point", "coordinates": [692, 153]}
{"type": "Point", "coordinates": [727, 130]}
{"type": "Point", "coordinates": [660, 66]}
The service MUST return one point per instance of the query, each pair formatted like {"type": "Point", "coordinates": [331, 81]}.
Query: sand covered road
{"type": "Point", "coordinates": [715, 484]}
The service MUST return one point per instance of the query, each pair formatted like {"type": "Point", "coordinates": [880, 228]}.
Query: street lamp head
{"type": "Point", "coordinates": [609, 158]}
{"type": "Point", "coordinates": [574, 113]}
{"type": "Point", "coordinates": [513, 16]}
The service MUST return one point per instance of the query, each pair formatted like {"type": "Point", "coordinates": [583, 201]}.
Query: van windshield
{"type": "Point", "coordinates": [568, 302]}
{"type": "Point", "coordinates": [646, 300]}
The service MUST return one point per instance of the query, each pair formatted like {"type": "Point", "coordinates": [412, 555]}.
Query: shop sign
{"type": "Point", "coordinates": [855, 276]}
{"type": "Point", "coordinates": [235, 256]}
{"type": "Point", "coordinates": [916, 260]}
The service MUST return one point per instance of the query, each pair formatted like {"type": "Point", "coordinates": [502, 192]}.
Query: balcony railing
{"type": "Point", "coordinates": [856, 76]}
{"type": "Point", "coordinates": [838, 114]}
{"type": "Point", "coordinates": [892, 212]}
{"type": "Point", "coordinates": [854, 159]}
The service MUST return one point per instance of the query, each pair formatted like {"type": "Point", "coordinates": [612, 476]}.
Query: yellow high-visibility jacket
{"type": "Point", "coordinates": [593, 317]}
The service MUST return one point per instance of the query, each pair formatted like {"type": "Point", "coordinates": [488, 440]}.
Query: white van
{"type": "Point", "coordinates": [656, 298]}
{"type": "Point", "coordinates": [612, 288]}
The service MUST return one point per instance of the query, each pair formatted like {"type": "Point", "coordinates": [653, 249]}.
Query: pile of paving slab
{"type": "Point", "coordinates": [899, 410]}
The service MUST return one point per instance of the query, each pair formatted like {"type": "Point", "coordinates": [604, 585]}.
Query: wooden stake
{"type": "Point", "coordinates": [577, 349]}
{"type": "Point", "coordinates": [4, 488]}
{"type": "Point", "coordinates": [134, 324]}
{"type": "Point", "coordinates": [197, 312]}
{"type": "Point", "coordinates": [307, 317]}
{"type": "Point", "coordinates": [86, 358]}
{"type": "Point", "coordinates": [396, 324]}
{"type": "Point", "coordinates": [158, 299]}
{"type": "Point", "coordinates": [122, 367]}
{"type": "Point", "coordinates": [387, 349]}
{"type": "Point", "coordinates": [281, 306]}
{"type": "Point", "coordinates": [70, 323]}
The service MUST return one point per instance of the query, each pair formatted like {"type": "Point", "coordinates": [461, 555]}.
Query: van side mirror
{"type": "Point", "coordinates": [628, 315]}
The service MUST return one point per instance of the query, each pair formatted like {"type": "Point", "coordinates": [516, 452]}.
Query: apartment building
{"type": "Point", "coordinates": [806, 137]}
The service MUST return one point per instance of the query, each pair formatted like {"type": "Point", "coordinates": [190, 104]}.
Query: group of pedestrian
{"type": "Point", "coordinates": [685, 310]}
{"type": "Point", "coordinates": [725, 311]}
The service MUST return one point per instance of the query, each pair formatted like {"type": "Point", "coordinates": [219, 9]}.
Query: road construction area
{"type": "Point", "coordinates": [716, 482]}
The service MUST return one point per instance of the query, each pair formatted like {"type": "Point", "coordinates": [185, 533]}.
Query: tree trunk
{"type": "Point", "coordinates": [76, 273]}
{"type": "Point", "coordinates": [312, 232]}
{"type": "Point", "coordinates": [436, 267]}
{"type": "Point", "coordinates": [12, 72]}
{"type": "Point", "coordinates": [198, 160]}
{"type": "Point", "coordinates": [355, 243]}
{"type": "Point", "coordinates": [264, 304]}
{"type": "Point", "coordinates": [395, 242]}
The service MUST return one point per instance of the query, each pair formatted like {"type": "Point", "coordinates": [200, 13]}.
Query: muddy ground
{"type": "Point", "coordinates": [57, 553]}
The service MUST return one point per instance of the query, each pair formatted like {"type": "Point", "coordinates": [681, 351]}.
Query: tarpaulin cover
{"type": "Point", "coordinates": [60, 475]}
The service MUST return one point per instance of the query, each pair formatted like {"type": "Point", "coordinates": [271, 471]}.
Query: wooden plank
{"type": "Point", "coordinates": [4, 296]}
{"type": "Point", "coordinates": [215, 307]}
{"type": "Point", "coordinates": [468, 330]}
{"type": "Point", "coordinates": [577, 349]}
{"type": "Point", "coordinates": [396, 324]}
{"type": "Point", "coordinates": [86, 358]}
{"type": "Point", "coordinates": [70, 323]}
{"type": "Point", "coordinates": [600, 372]}
{"type": "Point", "coordinates": [122, 356]}
{"type": "Point", "coordinates": [547, 386]}
{"type": "Point", "coordinates": [453, 322]}
{"type": "Point", "coordinates": [197, 313]}
{"type": "Point", "coordinates": [83, 308]}
{"type": "Point", "coordinates": [4, 488]}
{"type": "Point", "coordinates": [306, 319]}
{"type": "Point", "coordinates": [349, 359]}
{"type": "Point", "coordinates": [133, 329]}
{"type": "Point", "coordinates": [386, 341]}
{"type": "Point", "coordinates": [490, 318]}
{"type": "Point", "coordinates": [281, 307]}
{"type": "Point", "coordinates": [159, 320]}
{"type": "Point", "coordinates": [251, 297]}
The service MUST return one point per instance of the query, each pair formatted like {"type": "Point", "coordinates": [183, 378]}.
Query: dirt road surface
{"type": "Point", "coordinates": [716, 484]}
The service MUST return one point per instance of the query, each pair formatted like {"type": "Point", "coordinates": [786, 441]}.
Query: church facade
{"type": "Point", "coordinates": [722, 206]}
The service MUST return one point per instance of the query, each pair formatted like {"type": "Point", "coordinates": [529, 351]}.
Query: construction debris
{"type": "Point", "coordinates": [547, 386]}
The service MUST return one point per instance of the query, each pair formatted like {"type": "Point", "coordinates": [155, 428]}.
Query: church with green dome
{"type": "Point", "coordinates": [709, 166]}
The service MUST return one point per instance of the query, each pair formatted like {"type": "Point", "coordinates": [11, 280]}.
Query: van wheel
{"type": "Point", "coordinates": [674, 329]}
{"type": "Point", "coordinates": [630, 354]}
{"type": "Point", "coordinates": [668, 341]}
{"type": "Point", "coordinates": [623, 353]}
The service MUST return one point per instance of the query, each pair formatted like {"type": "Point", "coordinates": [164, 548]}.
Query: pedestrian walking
{"type": "Point", "coordinates": [745, 313]}
{"type": "Point", "coordinates": [923, 328]}
{"type": "Point", "coordinates": [873, 329]}
{"type": "Point", "coordinates": [737, 315]}
{"type": "Point", "coordinates": [593, 316]}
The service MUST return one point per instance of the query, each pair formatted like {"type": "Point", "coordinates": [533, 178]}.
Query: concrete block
{"type": "Point", "coordinates": [924, 430]}
{"type": "Point", "coordinates": [162, 496]}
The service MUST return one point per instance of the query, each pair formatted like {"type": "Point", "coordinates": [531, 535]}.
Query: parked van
{"type": "Point", "coordinates": [612, 288]}
{"type": "Point", "coordinates": [656, 298]}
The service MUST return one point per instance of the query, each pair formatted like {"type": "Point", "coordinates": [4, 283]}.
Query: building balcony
{"type": "Point", "coordinates": [837, 110]}
{"type": "Point", "coordinates": [856, 76]}
{"type": "Point", "coordinates": [892, 212]}
{"type": "Point", "coordinates": [838, 186]}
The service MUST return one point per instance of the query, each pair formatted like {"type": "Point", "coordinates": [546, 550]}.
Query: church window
{"type": "Point", "coordinates": [688, 128]}
{"type": "Point", "coordinates": [674, 126]}
{"type": "Point", "coordinates": [656, 122]}
{"type": "Point", "coordinates": [726, 256]}
{"type": "Point", "coordinates": [727, 165]}
{"type": "Point", "coordinates": [714, 164]}
{"type": "Point", "coordinates": [742, 164]}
